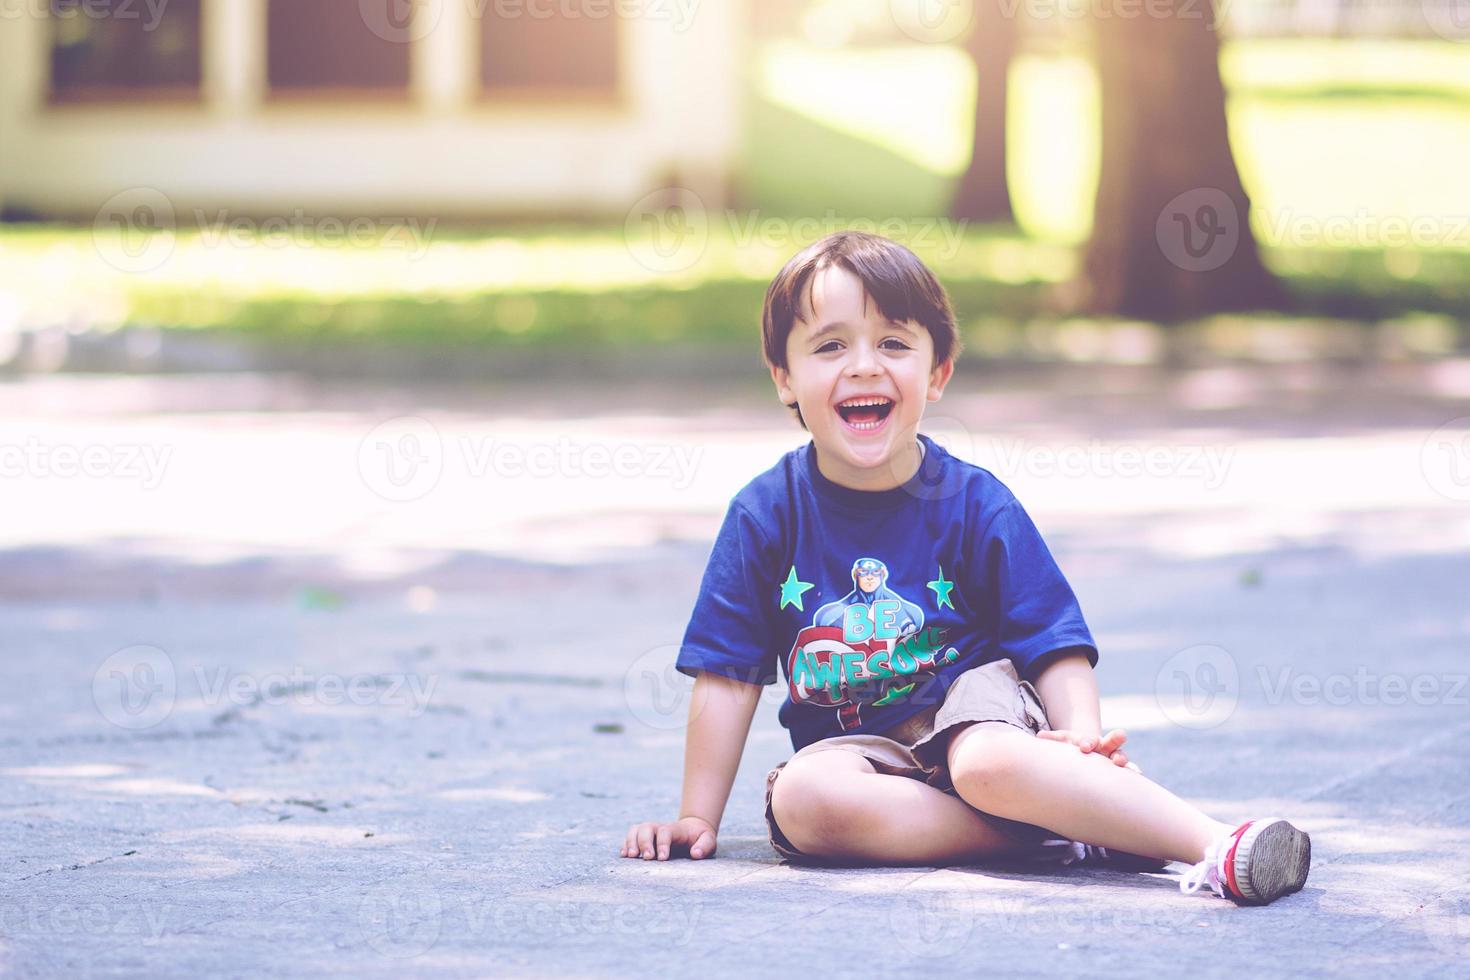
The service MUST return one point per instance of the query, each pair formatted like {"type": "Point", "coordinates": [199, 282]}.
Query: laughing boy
{"type": "Point", "coordinates": [940, 691]}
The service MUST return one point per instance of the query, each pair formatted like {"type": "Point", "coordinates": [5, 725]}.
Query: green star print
{"type": "Point", "coordinates": [791, 590]}
{"type": "Point", "coordinates": [942, 588]}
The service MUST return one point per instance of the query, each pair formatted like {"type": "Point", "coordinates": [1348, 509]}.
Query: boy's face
{"type": "Point", "coordinates": [861, 383]}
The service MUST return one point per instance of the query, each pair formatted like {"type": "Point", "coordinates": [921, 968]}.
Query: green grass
{"type": "Point", "coordinates": [488, 286]}
{"type": "Point", "coordinates": [492, 288]}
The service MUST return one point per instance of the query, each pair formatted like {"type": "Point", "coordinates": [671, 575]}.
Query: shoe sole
{"type": "Point", "coordinates": [1272, 859]}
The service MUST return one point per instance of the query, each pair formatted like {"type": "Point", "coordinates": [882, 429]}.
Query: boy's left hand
{"type": "Point", "coordinates": [1109, 745]}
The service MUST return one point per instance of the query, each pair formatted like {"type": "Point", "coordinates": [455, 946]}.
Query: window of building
{"type": "Point", "coordinates": [123, 49]}
{"type": "Point", "coordinates": [332, 45]}
{"type": "Point", "coordinates": [540, 49]}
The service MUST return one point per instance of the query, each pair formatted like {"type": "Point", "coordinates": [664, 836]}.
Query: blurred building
{"type": "Point", "coordinates": [442, 107]}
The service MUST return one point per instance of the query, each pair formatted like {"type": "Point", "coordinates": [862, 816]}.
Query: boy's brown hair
{"type": "Point", "coordinates": [893, 277]}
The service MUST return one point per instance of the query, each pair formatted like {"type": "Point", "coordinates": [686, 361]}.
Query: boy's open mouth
{"type": "Point", "coordinates": [865, 412]}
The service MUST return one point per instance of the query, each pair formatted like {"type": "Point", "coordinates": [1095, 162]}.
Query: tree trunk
{"type": "Point", "coordinates": [983, 193]}
{"type": "Point", "coordinates": [1171, 236]}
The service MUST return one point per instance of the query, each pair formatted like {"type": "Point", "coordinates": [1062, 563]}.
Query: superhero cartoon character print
{"type": "Point", "coordinates": [866, 650]}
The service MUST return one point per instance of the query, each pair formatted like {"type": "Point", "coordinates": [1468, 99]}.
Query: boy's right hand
{"type": "Point", "coordinates": [690, 835]}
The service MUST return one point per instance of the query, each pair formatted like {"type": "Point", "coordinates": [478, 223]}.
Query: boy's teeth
{"type": "Point", "coordinates": [865, 412]}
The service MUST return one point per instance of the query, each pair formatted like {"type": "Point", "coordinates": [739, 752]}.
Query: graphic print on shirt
{"type": "Point", "coordinates": [868, 648]}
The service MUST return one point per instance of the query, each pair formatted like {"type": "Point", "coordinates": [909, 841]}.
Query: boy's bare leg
{"type": "Point", "coordinates": [1082, 796]}
{"type": "Point", "coordinates": [835, 804]}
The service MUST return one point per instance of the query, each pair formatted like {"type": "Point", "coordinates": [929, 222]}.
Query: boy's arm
{"type": "Point", "coordinates": [719, 723]}
{"type": "Point", "coordinates": [720, 713]}
{"type": "Point", "coordinates": [1068, 690]}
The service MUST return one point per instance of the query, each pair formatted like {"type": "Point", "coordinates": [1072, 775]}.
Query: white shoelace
{"type": "Point", "coordinates": [1210, 871]}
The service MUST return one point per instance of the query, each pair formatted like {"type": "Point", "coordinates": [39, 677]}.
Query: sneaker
{"type": "Point", "coordinates": [1071, 853]}
{"type": "Point", "coordinates": [1255, 864]}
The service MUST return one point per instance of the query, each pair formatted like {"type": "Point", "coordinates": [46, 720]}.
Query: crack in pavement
{"type": "Point", "coordinates": [79, 867]}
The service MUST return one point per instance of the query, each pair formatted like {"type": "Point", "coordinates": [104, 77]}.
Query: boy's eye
{"type": "Point", "coordinates": [893, 343]}
{"type": "Point", "coordinates": [830, 345]}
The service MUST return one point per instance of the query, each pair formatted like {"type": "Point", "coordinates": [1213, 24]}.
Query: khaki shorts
{"type": "Point", "coordinates": [915, 748]}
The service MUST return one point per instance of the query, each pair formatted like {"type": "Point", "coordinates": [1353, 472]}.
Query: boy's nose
{"type": "Point", "coordinates": [864, 361]}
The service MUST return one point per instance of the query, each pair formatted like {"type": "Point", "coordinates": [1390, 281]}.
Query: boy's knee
{"type": "Point", "coordinates": [811, 810]}
{"type": "Point", "coordinates": [985, 760]}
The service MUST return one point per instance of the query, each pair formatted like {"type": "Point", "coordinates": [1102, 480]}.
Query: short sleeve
{"type": "Point", "coordinates": [1037, 612]}
{"type": "Point", "coordinates": [730, 632]}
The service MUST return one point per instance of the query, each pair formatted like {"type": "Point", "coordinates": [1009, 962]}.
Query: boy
{"type": "Point", "coordinates": [905, 594]}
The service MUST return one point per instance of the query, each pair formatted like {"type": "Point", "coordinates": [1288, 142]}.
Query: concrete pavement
{"type": "Point", "coordinates": [290, 710]}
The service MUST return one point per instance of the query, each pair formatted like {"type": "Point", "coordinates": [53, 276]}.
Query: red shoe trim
{"type": "Point", "coordinates": [1230, 858]}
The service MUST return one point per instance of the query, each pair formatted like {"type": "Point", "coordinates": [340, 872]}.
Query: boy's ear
{"type": "Point", "coordinates": [938, 378]}
{"type": "Point", "coordinates": [782, 379]}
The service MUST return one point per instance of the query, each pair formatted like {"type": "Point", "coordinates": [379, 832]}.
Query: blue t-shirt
{"type": "Point", "coordinates": [870, 604]}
